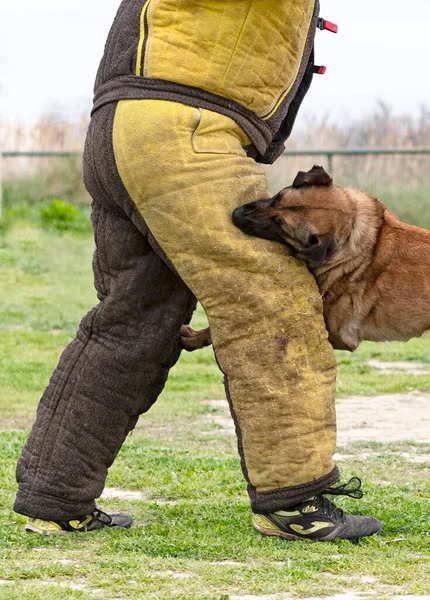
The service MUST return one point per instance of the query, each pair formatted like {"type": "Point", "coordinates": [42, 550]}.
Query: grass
{"type": "Point", "coordinates": [192, 537]}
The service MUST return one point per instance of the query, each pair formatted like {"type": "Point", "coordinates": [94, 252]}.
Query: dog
{"type": "Point", "coordinates": [372, 270]}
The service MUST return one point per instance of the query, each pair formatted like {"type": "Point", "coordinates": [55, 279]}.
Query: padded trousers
{"type": "Point", "coordinates": [165, 178]}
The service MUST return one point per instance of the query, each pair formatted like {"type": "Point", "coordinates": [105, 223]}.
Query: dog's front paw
{"type": "Point", "coordinates": [193, 339]}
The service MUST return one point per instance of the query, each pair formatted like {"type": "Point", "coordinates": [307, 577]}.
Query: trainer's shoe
{"type": "Point", "coordinates": [96, 520]}
{"type": "Point", "coordinates": [318, 519]}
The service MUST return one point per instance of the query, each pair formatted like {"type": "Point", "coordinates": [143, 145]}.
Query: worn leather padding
{"type": "Point", "coordinates": [249, 51]}
{"type": "Point", "coordinates": [186, 171]}
{"type": "Point", "coordinates": [245, 59]}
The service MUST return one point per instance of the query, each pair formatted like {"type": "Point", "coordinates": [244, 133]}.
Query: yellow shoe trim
{"type": "Point", "coordinates": [81, 524]}
{"type": "Point", "coordinates": [264, 526]}
{"type": "Point", "coordinates": [44, 527]}
{"type": "Point", "coordinates": [286, 513]}
{"type": "Point", "coordinates": [317, 525]}
{"type": "Point", "coordinates": [310, 509]}
{"type": "Point", "coordinates": [264, 523]}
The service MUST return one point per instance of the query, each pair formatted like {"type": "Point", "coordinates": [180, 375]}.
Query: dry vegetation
{"type": "Point", "coordinates": [31, 180]}
{"type": "Point", "coordinates": [49, 133]}
{"type": "Point", "coordinates": [379, 130]}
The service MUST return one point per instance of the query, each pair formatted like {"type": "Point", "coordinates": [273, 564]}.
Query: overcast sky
{"type": "Point", "coordinates": [50, 50]}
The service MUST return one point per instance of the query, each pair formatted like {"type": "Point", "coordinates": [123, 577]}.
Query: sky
{"type": "Point", "coordinates": [50, 50]}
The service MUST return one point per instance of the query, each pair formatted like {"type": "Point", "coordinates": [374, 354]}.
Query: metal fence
{"type": "Point", "coordinates": [328, 154]}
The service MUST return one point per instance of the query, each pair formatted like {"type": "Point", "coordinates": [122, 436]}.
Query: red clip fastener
{"type": "Point", "coordinates": [323, 24]}
{"type": "Point", "coordinates": [320, 69]}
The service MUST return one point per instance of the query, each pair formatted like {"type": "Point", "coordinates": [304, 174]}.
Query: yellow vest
{"type": "Point", "coordinates": [245, 58]}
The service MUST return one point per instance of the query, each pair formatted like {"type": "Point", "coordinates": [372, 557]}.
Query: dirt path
{"type": "Point", "coordinates": [387, 418]}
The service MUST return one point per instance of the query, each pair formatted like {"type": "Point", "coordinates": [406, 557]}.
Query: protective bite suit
{"type": "Point", "coordinates": [189, 93]}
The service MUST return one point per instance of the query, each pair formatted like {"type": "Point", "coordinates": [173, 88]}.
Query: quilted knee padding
{"type": "Point", "coordinates": [111, 372]}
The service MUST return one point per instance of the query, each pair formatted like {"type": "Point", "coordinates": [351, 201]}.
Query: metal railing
{"type": "Point", "coordinates": [328, 154]}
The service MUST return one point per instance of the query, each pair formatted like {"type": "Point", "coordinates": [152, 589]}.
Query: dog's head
{"type": "Point", "coordinates": [313, 216]}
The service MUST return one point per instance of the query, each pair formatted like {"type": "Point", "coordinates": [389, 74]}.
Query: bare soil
{"type": "Point", "coordinates": [387, 418]}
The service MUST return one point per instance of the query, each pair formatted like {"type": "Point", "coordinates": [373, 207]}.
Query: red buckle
{"type": "Point", "coordinates": [328, 25]}
{"type": "Point", "coordinates": [320, 69]}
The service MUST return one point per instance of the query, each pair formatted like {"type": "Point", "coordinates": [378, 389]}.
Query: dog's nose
{"type": "Point", "coordinates": [239, 216]}
{"type": "Point", "coordinates": [243, 215]}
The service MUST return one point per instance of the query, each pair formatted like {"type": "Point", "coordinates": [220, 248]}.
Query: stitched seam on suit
{"type": "Point", "coordinates": [103, 286]}
{"type": "Point", "coordinates": [288, 86]}
{"type": "Point", "coordinates": [251, 47]}
{"type": "Point", "coordinates": [186, 52]}
{"type": "Point", "coordinates": [148, 51]}
{"type": "Point", "coordinates": [99, 256]}
{"type": "Point", "coordinates": [143, 36]}
{"type": "Point", "coordinates": [204, 83]}
{"type": "Point", "coordinates": [54, 408]}
{"type": "Point", "coordinates": [235, 47]}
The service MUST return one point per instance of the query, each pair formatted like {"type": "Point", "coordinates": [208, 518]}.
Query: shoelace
{"type": "Point", "coordinates": [346, 489]}
{"type": "Point", "coordinates": [99, 515]}
{"type": "Point", "coordinates": [328, 508]}
{"type": "Point", "coordinates": [351, 488]}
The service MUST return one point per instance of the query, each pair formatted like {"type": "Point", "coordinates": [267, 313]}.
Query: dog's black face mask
{"type": "Point", "coordinates": [254, 219]}
{"type": "Point", "coordinates": [278, 220]}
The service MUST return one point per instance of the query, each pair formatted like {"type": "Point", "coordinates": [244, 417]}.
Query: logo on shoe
{"type": "Point", "coordinates": [317, 525]}
{"type": "Point", "coordinates": [310, 509]}
{"type": "Point", "coordinates": [81, 524]}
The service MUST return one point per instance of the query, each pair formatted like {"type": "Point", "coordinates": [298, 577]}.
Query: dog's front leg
{"type": "Point", "coordinates": [192, 339]}
{"type": "Point", "coordinates": [349, 335]}
{"type": "Point", "coordinates": [342, 326]}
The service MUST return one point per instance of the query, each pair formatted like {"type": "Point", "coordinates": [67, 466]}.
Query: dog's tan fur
{"type": "Point", "coordinates": [373, 271]}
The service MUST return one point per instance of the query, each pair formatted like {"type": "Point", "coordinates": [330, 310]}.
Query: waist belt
{"type": "Point", "coordinates": [132, 87]}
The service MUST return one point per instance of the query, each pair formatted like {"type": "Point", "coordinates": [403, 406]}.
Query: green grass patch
{"type": "Point", "coordinates": [192, 537]}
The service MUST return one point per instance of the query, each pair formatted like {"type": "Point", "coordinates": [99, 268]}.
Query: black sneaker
{"type": "Point", "coordinates": [318, 519]}
{"type": "Point", "coordinates": [96, 520]}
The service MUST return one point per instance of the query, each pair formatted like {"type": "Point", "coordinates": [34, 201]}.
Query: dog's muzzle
{"type": "Point", "coordinates": [252, 220]}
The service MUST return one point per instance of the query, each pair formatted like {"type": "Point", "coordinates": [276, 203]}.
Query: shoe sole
{"type": "Point", "coordinates": [276, 533]}
{"type": "Point", "coordinates": [33, 529]}
{"type": "Point", "coordinates": [291, 537]}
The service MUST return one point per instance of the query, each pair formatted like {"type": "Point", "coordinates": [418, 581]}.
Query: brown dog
{"type": "Point", "coordinates": [373, 271]}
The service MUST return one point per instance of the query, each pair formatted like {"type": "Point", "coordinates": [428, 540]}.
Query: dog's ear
{"type": "Point", "coordinates": [316, 176]}
{"type": "Point", "coordinates": [319, 250]}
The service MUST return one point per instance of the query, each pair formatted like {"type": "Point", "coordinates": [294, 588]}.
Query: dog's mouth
{"type": "Point", "coordinates": [251, 221]}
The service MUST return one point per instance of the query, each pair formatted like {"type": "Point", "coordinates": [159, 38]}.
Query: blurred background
{"type": "Point", "coordinates": [374, 95]}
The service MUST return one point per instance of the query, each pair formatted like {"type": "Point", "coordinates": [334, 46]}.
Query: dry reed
{"type": "Point", "coordinates": [380, 129]}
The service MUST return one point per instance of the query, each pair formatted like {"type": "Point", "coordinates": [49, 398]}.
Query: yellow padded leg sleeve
{"type": "Point", "coordinates": [186, 171]}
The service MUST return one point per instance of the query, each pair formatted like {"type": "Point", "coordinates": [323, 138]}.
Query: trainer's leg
{"type": "Point", "coordinates": [111, 372]}
{"type": "Point", "coordinates": [186, 171]}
